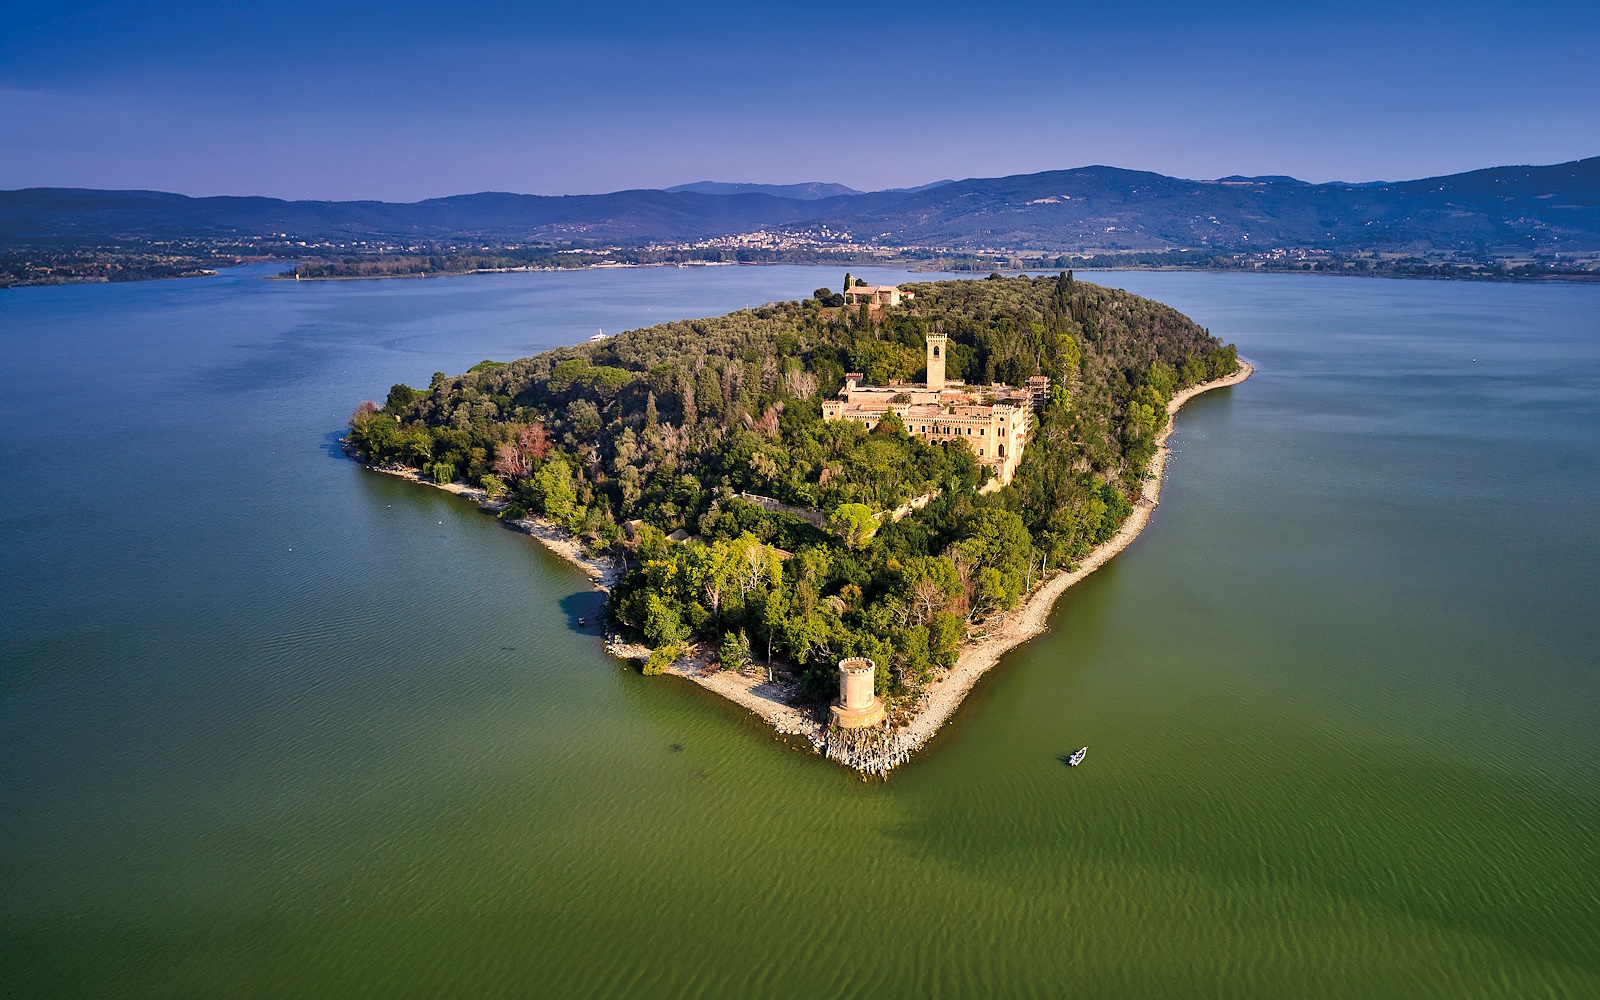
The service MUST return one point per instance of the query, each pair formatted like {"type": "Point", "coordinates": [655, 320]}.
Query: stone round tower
{"type": "Point", "coordinates": [857, 706]}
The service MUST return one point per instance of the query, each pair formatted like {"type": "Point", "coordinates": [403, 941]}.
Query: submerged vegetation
{"type": "Point", "coordinates": [649, 444]}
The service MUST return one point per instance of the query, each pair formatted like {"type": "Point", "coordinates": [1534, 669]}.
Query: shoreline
{"type": "Point", "coordinates": [913, 265]}
{"type": "Point", "coordinates": [910, 265]}
{"type": "Point", "coordinates": [944, 696]}
{"type": "Point", "coordinates": [876, 751]}
{"type": "Point", "coordinates": [602, 574]}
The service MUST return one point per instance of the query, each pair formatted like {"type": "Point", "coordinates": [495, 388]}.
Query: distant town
{"type": "Point", "coordinates": [377, 258]}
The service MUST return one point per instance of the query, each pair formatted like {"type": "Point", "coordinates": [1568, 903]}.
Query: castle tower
{"type": "Point", "coordinates": [857, 707]}
{"type": "Point", "coordinates": [937, 343]}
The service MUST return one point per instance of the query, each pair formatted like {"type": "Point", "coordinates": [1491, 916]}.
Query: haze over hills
{"type": "Point", "coordinates": [803, 192]}
{"type": "Point", "coordinates": [1501, 209]}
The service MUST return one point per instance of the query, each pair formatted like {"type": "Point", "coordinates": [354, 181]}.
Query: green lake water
{"type": "Point", "coordinates": [271, 725]}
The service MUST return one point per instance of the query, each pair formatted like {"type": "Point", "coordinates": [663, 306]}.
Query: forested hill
{"type": "Point", "coordinates": [1503, 209]}
{"type": "Point", "coordinates": [625, 440]}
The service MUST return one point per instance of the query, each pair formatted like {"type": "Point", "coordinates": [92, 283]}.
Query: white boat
{"type": "Point", "coordinates": [1077, 758]}
{"type": "Point", "coordinates": [599, 336]}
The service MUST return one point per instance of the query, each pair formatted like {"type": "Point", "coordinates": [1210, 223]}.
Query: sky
{"type": "Point", "coordinates": [404, 101]}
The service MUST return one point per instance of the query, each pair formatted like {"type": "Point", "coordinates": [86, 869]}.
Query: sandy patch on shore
{"type": "Point", "coordinates": [751, 689]}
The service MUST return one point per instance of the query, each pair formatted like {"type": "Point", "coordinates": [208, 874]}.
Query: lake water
{"type": "Point", "coordinates": [273, 725]}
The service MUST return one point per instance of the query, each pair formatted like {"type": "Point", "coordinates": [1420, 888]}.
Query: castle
{"type": "Point", "coordinates": [994, 420]}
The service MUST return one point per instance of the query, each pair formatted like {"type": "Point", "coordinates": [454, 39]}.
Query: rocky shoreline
{"type": "Point", "coordinates": [877, 751]}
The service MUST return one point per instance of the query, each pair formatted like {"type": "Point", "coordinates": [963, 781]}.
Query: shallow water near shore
{"type": "Point", "coordinates": [274, 725]}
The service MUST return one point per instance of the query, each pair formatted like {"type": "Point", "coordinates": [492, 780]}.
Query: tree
{"type": "Point", "coordinates": [662, 624]}
{"type": "Point", "coordinates": [364, 412]}
{"type": "Point", "coordinates": [1162, 378]}
{"type": "Point", "coordinates": [686, 394]}
{"type": "Point", "coordinates": [757, 564]}
{"type": "Point", "coordinates": [534, 440]}
{"type": "Point", "coordinates": [735, 651]}
{"type": "Point", "coordinates": [999, 541]}
{"type": "Point", "coordinates": [661, 658]}
{"type": "Point", "coordinates": [945, 632]}
{"type": "Point", "coordinates": [401, 396]}
{"type": "Point", "coordinates": [912, 657]}
{"type": "Point", "coordinates": [555, 487]}
{"type": "Point", "coordinates": [583, 419]}
{"type": "Point", "coordinates": [509, 461]}
{"type": "Point", "coordinates": [415, 445]}
{"type": "Point", "coordinates": [927, 600]}
{"type": "Point", "coordinates": [708, 393]}
{"type": "Point", "coordinates": [772, 622]}
{"type": "Point", "coordinates": [713, 591]}
{"type": "Point", "coordinates": [854, 523]}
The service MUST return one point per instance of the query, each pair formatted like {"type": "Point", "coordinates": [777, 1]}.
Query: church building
{"type": "Point", "coordinates": [994, 420]}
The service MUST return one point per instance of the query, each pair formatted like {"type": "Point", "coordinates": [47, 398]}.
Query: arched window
{"type": "Point", "coordinates": [1002, 451]}
{"type": "Point", "coordinates": [936, 350]}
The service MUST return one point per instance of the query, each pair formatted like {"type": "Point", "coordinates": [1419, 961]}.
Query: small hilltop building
{"type": "Point", "coordinates": [875, 295]}
{"type": "Point", "coordinates": [995, 421]}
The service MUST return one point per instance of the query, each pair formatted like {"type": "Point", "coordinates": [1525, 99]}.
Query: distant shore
{"type": "Point", "coordinates": [912, 263]}
{"type": "Point", "coordinates": [920, 265]}
{"type": "Point", "coordinates": [879, 750]}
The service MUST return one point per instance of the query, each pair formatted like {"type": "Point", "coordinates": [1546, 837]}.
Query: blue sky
{"type": "Point", "coordinates": [401, 101]}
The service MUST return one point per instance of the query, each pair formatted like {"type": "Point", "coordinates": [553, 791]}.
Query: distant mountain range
{"type": "Point", "coordinates": [1501, 209]}
{"type": "Point", "coordinates": [810, 191]}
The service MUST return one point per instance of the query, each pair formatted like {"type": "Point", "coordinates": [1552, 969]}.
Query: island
{"type": "Point", "coordinates": [837, 512]}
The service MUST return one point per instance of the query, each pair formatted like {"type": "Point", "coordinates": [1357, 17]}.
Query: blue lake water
{"type": "Point", "coordinates": [274, 725]}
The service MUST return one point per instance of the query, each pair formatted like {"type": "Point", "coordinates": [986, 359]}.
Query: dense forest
{"type": "Point", "coordinates": [660, 430]}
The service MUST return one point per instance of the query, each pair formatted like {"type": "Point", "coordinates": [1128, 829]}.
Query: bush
{"type": "Point", "coordinates": [661, 658]}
